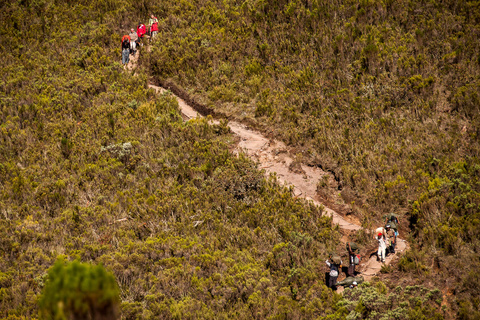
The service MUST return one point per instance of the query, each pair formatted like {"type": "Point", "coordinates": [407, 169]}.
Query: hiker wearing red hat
{"type": "Point", "coordinates": [381, 246]}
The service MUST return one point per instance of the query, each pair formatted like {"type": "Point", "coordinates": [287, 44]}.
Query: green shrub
{"type": "Point", "coordinates": [79, 291]}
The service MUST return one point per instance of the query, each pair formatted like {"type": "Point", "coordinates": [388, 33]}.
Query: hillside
{"type": "Point", "coordinates": [95, 166]}
{"type": "Point", "coordinates": [384, 94]}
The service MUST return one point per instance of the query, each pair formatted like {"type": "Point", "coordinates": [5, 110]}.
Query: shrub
{"type": "Point", "coordinates": [79, 291]}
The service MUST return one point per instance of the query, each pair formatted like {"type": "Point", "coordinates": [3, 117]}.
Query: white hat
{"type": "Point", "coordinates": [354, 283]}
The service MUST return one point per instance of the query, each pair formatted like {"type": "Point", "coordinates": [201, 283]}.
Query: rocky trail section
{"type": "Point", "coordinates": [274, 157]}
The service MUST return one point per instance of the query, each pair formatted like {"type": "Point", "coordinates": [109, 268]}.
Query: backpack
{"type": "Point", "coordinates": [333, 270]}
{"type": "Point", "coordinates": [335, 258]}
{"type": "Point", "coordinates": [379, 230]}
{"type": "Point", "coordinates": [392, 217]}
{"type": "Point", "coordinates": [125, 44]}
{"type": "Point", "coordinates": [357, 259]}
{"type": "Point", "coordinates": [353, 246]}
{"type": "Point", "coordinates": [392, 224]}
{"type": "Point", "coordinates": [349, 281]}
{"type": "Point", "coordinates": [392, 221]}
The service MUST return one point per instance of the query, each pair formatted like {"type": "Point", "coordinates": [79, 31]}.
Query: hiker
{"type": "Point", "coordinates": [125, 49]}
{"type": "Point", "coordinates": [335, 264]}
{"type": "Point", "coordinates": [351, 248]}
{"type": "Point", "coordinates": [391, 238]}
{"type": "Point", "coordinates": [392, 220]}
{"type": "Point", "coordinates": [153, 25]}
{"type": "Point", "coordinates": [381, 247]}
{"type": "Point", "coordinates": [141, 30]}
{"type": "Point", "coordinates": [133, 41]}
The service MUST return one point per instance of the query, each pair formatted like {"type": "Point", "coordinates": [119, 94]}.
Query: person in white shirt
{"type": "Point", "coordinates": [133, 41]}
{"type": "Point", "coordinates": [382, 246]}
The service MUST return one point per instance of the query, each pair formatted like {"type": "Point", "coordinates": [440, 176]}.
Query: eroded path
{"type": "Point", "coordinates": [274, 157]}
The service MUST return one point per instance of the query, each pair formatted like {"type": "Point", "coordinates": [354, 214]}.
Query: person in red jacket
{"type": "Point", "coordinates": [153, 22]}
{"type": "Point", "coordinates": [141, 30]}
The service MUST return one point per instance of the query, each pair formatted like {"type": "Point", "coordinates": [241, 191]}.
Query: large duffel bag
{"type": "Point", "coordinates": [348, 281]}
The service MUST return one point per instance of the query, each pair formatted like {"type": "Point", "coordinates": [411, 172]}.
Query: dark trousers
{"type": "Point", "coordinates": [332, 282]}
{"type": "Point", "coordinates": [391, 249]}
{"type": "Point", "coordinates": [351, 266]}
{"type": "Point", "coordinates": [125, 56]}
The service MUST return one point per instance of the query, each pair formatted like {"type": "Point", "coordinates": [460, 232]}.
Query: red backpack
{"type": "Point", "coordinates": [125, 43]}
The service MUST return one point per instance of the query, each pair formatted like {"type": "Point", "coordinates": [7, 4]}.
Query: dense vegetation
{"type": "Point", "coordinates": [95, 167]}
{"type": "Point", "coordinates": [386, 94]}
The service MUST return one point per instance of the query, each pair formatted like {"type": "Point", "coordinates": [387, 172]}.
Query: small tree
{"type": "Point", "coordinates": [77, 290]}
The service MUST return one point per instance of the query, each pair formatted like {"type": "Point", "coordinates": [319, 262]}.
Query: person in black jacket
{"type": "Point", "coordinates": [125, 49]}
{"type": "Point", "coordinates": [335, 266]}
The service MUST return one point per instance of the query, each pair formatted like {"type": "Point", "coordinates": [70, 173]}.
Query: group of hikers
{"type": "Point", "coordinates": [131, 41]}
{"type": "Point", "coordinates": [387, 241]}
{"type": "Point", "coordinates": [386, 236]}
{"type": "Point", "coordinates": [335, 265]}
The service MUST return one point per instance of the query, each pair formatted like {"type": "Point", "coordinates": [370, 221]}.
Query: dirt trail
{"type": "Point", "coordinates": [273, 156]}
